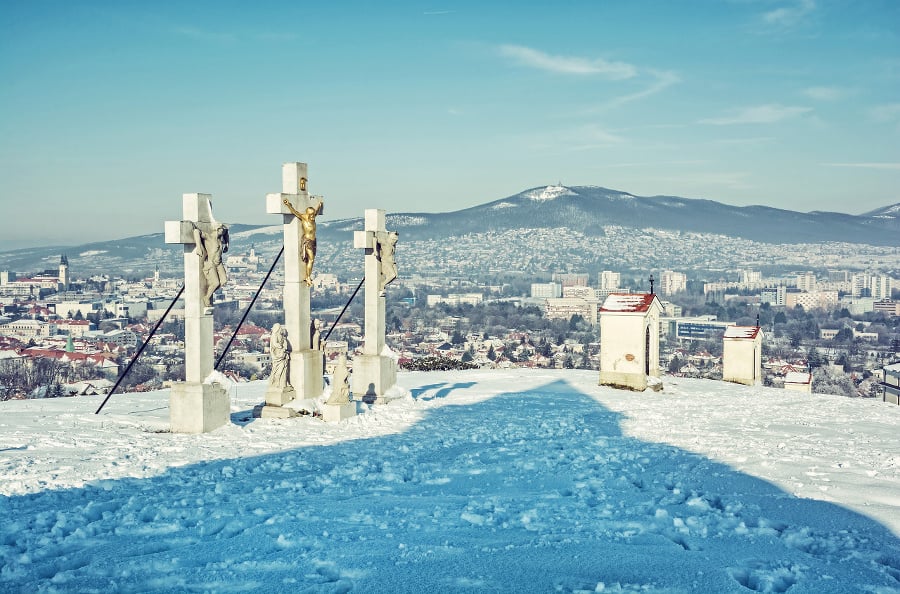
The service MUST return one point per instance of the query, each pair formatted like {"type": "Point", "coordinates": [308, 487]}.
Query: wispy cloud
{"type": "Point", "coordinates": [202, 34]}
{"type": "Point", "coordinates": [883, 166]}
{"type": "Point", "coordinates": [579, 138]}
{"type": "Point", "coordinates": [659, 81]}
{"type": "Point", "coordinates": [826, 93]}
{"type": "Point", "coordinates": [650, 164]}
{"type": "Point", "coordinates": [759, 114]}
{"type": "Point", "coordinates": [708, 181]}
{"type": "Point", "coordinates": [888, 112]}
{"type": "Point", "coordinates": [533, 58]}
{"type": "Point", "coordinates": [593, 137]}
{"type": "Point", "coordinates": [794, 13]}
{"type": "Point", "coordinates": [438, 12]}
{"type": "Point", "coordinates": [744, 141]}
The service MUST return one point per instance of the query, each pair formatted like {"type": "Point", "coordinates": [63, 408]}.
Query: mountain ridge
{"type": "Point", "coordinates": [590, 210]}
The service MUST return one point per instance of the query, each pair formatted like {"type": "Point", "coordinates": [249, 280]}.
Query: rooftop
{"type": "Point", "coordinates": [741, 331]}
{"type": "Point", "coordinates": [629, 302]}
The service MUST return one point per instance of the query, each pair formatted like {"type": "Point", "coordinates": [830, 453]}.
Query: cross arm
{"type": "Point", "coordinates": [364, 240]}
{"type": "Point", "coordinates": [179, 232]}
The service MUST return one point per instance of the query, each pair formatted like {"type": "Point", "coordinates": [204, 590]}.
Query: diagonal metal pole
{"type": "Point", "coordinates": [140, 350]}
{"type": "Point", "coordinates": [249, 307]}
{"type": "Point", "coordinates": [338, 319]}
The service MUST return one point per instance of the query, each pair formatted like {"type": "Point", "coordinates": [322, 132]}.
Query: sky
{"type": "Point", "coordinates": [421, 106]}
{"type": "Point", "coordinates": [476, 481]}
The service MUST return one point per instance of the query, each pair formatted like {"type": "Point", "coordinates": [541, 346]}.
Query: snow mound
{"type": "Point", "coordinates": [502, 205]}
{"type": "Point", "coordinates": [548, 193]}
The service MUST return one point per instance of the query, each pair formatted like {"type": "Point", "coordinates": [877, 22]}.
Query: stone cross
{"type": "Point", "coordinates": [196, 406]}
{"type": "Point", "coordinates": [198, 319]}
{"type": "Point", "coordinates": [374, 373]}
{"type": "Point", "coordinates": [306, 359]}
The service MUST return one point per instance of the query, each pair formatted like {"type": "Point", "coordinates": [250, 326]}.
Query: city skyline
{"type": "Point", "coordinates": [111, 112]}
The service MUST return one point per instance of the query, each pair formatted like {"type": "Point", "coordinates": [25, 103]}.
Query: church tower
{"type": "Point", "coordinates": [64, 272]}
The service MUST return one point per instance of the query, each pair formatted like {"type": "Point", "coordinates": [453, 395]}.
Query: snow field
{"type": "Point", "coordinates": [501, 482]}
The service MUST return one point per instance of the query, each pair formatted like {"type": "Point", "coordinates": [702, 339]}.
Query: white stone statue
{"type": "Point", "coordinates": [211, 240]}
{"type": "Point", "coordinates": [279, 349]}
{"type": "Point", "coordinates": [385, 254]}
{"type": "Point", "coordinates": [340, 383]}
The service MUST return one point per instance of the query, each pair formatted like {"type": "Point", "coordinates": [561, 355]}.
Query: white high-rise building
{"type": "Point", "coordinates": [672, 282]}
{"type": "Point", "coordinates": [860, 282]}
{"type": "Point", "coordinates": [751, 277]}
{"type": "Point", "coordinates": [546, 290]}
{"type": "Point", "coordinates": [609, 280]}
{"type": "Point", "coordinates": [806, 281]}
{"type": "Point", "coordinates": [881, 286]}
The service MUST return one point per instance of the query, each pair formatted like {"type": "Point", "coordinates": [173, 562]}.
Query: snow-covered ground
{"type": "Point", "coordinates": [501, 481]}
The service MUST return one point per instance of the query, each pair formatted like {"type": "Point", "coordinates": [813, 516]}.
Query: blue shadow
{"type": "Point", "coordinates": [533, 491]}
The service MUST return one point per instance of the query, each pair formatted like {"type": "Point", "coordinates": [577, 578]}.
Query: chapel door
{"type": "Point", "coordinates": [647, 353]}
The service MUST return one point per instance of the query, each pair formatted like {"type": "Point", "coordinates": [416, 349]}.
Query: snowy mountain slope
{"type": "Point", "coordinates": [586, 209]}
{"type": "Point", "coordinates": [519, 481]}
{"type": "Point", "coordinates": [589, 208]}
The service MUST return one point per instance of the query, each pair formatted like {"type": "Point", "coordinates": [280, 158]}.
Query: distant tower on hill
{"type": "Point", "coordinates": [156, 275]}
{"type": "Point", "coordinates": [64, 272]}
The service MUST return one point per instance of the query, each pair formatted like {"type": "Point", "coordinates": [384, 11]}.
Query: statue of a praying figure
{"type": "Point", "coordinates": [307, 235]}
{"type": "Point", "coordinates": [279, 350]}
{"type": "Point", "coordinates": [211, 240]}
{"type": "Point", "coordinates": [340, 383]}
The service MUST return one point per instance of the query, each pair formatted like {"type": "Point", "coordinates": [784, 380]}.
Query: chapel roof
{"type": "Point", "coordinates": [628, 302]}
{"type": "Point", "coordinates": [741, 332]}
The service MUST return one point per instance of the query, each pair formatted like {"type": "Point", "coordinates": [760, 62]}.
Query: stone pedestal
{"type": "Point", "coordinates": [198, 408]}
{"type": "Point", "coordinates": [276, 396]}
{"type": "Point", "coordinates": [373, 375]}
{"type": "Point", "coordinates": [268, 411]}
{"type": "Point", "coordinates": [307, 369]}
{"type": "Point", "coordinates": [334, 413]}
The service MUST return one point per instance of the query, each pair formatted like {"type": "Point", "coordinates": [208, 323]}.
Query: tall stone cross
{"type": "Point", "coordinates": [198, 318]}
{"type": "Point", "coordinates": [373, 372]}
{"type": "Point", "coordinates": [298, 210]}
{"type": "Point", "coordinates": [196, 407]}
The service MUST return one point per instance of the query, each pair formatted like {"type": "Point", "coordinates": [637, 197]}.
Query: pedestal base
{"type": "Point", "coordinates": [307, 369]}
{"type": "Point", "coordinates": [373, 376]}
{"type": "Point", "coordinates": [637, 382]}
{"type": "Point", "coordinates": [334, 413]}
{"type": "Point", "coordinates": [198, 408]}
{"type": "Point", "coordinates": [276, 396]}
{"type": "Point", "coordinates": [267, 411]}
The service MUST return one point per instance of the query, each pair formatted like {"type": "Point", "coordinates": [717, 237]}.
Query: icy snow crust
{"type": "Point", "coordinates": [517, 481]}
{"type": "Point", "coordinates": [548, 193]}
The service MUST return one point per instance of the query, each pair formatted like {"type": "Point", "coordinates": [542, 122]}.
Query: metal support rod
{"type": "Point", "coordinates": [249, 307]}
{"type": "Point", "coordinates": [140, 350]}
{"type": "Point", "coordinates": [338, 319]}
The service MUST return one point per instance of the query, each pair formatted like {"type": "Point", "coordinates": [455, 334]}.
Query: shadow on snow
{"type": "Point", "coordinates": [529, 491]}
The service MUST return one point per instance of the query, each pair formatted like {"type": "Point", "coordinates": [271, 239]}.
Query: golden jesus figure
{"type": "Point", "coordinates": [307, 235]}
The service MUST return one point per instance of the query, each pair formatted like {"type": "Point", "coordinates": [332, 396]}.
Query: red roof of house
{"type": "Point", "coordinates": [628, 302]}
{"type": "Point", "coordinates": [251, 329]}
